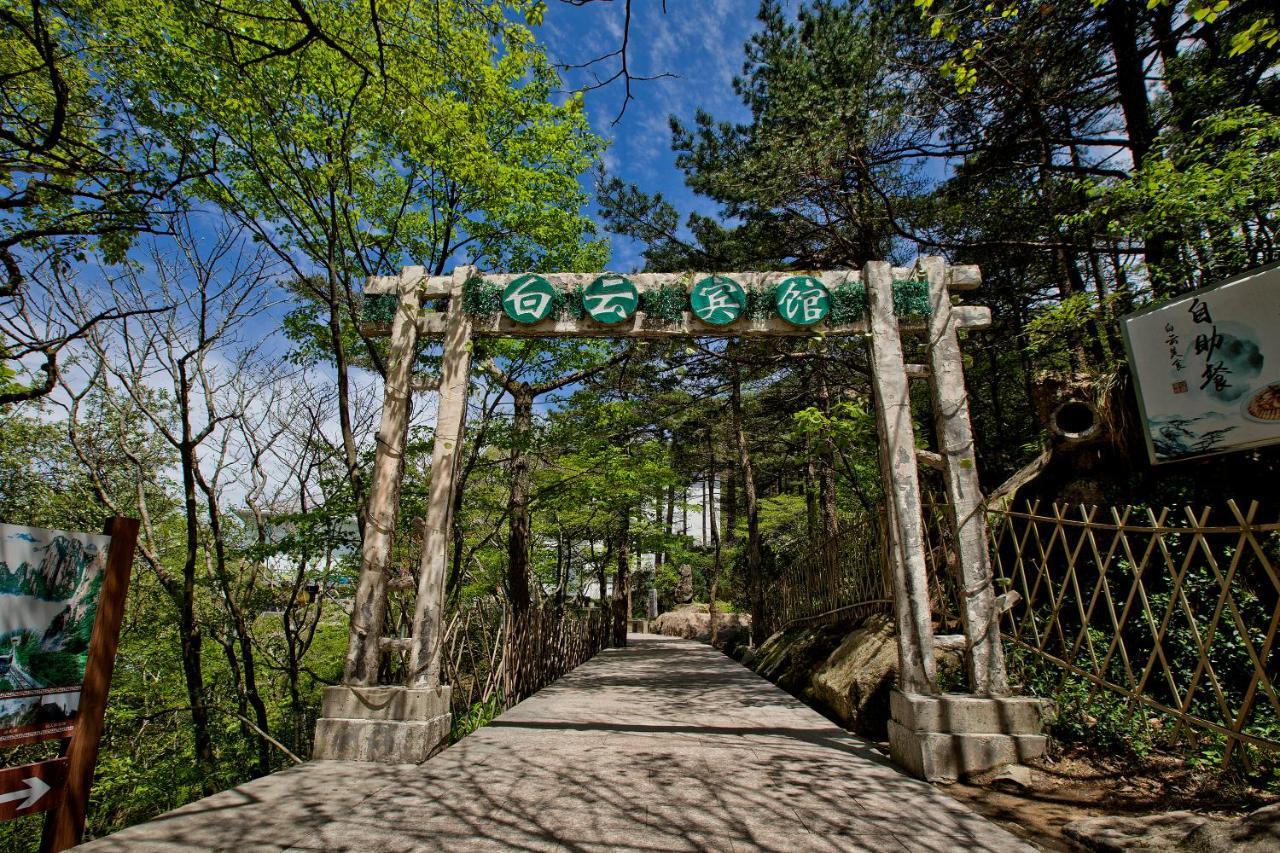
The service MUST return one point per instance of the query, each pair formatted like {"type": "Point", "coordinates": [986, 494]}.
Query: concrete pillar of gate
{"type": "Point", "coordinates": [905, 535]}
{"type": "Point", "coordinates": [947, 737]}
{"type": "Point", "coordinates": [446, 458]}
{"type": "Point", "coordinates": [382, 510]}
{"type": "Point", "coordinates": [361, 720]}
{"type": "Point", "coordinates": [984, 656]}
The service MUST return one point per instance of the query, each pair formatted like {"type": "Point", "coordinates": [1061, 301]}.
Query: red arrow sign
{"type": "Point", "coordinates": [31, 788]}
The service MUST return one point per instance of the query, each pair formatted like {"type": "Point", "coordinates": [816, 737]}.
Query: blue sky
{"type": "Point", "coordinates": [698, 41]}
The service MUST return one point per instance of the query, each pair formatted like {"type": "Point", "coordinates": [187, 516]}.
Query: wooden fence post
{"type": "Point", "coordinates": [902, 484]}
{"type": "Point", "coordinates": [64, 826]}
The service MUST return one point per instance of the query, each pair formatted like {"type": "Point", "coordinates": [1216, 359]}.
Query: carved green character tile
{"type": "Point", "coordinates": [717, 300]}
{"type": "Point", "coordinates": [802, 300]}
{"type": "Point", "coordinates": [610, 299]}
{"type": "Point", "coordinates": [528, 299]}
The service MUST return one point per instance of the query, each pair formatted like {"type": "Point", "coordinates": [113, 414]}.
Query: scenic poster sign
{"type": "Point", "coordinates": [50, 582]}
{"type": "Point", "coordinates": [1207, 368]}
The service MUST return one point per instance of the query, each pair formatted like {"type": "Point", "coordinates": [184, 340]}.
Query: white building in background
{"type": "Point", "coordinates": [694, 510]}
{"type": "Point", "coordinates": [694, 506]}
{"type": "Point", "coordinates": [282, 569]}
{"type": "Point", "coordinates": [590, 589]}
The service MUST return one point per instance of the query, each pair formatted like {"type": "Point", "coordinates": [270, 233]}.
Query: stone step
{"type": "Point", "coordinates": [396, 725]}
{"type": "Point", "coordinates": [384, 703]}
{"type": "Point", "coordinates": [382, 741]}
{"type": "Point", "coordinates": [943, 757]}
{"type": "Point", "coordinates": [957, 714]}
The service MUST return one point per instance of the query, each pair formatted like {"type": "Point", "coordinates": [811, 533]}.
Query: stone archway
{"type": "Point", "coordinates": [406, 723]}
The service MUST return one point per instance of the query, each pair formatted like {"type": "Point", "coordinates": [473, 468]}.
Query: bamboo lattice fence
{"type": "Point", "coordinates": [940, 556]}
{"type": "Point", "coordinates": [1174, 611]}
{"type": "Point", "coordinates": [542, 645]}
{"type": "Point", "coordinates": [473, 653]}
{"type": "Point", "coordinates": [838, 577]}
{"type": "Point", "coordinates": [489, 654]}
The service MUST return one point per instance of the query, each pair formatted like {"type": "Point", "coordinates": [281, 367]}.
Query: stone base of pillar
{"type": "Point", "coordinates": [387, 725]}
{"type": "Point", "coordinates": [949, 737]}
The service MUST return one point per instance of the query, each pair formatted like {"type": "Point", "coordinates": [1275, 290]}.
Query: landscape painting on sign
{"type": "Point", "coordinates": [49, 586]}
{"type": "Point", "coordinates": [1207, 367]}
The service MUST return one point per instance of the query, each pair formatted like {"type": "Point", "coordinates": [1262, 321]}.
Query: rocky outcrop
{"type": "Point", "coordinates": [1253, 833]}
{"type": "Point", "coordinates": [854, 681]}
{"type": "Point", "coordinates": [845, 670]}
{"type": "Point", "coordinates": [1122, 832]}
{"type": "Point", "coordinates": [790, 657]}
{"type": "Point", "coordinates": [1185, 831]}
{"type": "Point", "coordinates": [693, 622]}
{"type": "Point", "coordinates": [684, 590]}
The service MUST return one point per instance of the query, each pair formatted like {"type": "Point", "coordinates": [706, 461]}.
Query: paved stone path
{"type": "Point", "coordinates": [666, 745]}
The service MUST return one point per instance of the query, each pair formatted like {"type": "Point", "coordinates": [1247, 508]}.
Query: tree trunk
{"type": "Point", "coordinates": [351, 455]}
{"type": "Point", "coordinates": [622, 582]}
{"type": "Point", "coordinates": [242, 637]}
{"type": "Point", "coordinates": [602, 579]}
{"type": "Point", "coordinates": [669, 527]}
{"type": "Point", "coordinates": [754, 561]}
{"type": "Point", "coordinates": [708, 489]}
{"type": "Point", "coordinates": [242, 702]}
{"type": "Point", "coordinates": [458, 541]}
{"type": "Point", "coordinates": [292, 667]}
{"type": "Point", "coordinates": [730, 495]}
{"type": "Point", "coordinates": [810, 492]}
{"type": "Point", "coordinates": [565, 561]}
{"type": "Point", "coordinates": [518, 505]}
{"type": "Point", "coordinates": [1131, 90]}
{"type": "Point", "coordinates": [713, 586]}
{"type": "Point", "coordinates": [1166, 42]}
{"type": "Point", "coordinates": [188, 627]}
{"type": "Point", "coordinates": [827, 470]}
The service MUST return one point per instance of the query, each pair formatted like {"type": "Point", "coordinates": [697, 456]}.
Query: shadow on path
{"type": "Point", "coordinates": [665, 745]}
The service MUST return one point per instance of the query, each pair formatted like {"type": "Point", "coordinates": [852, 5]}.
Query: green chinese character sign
{"type": "Point", "coordinates": [717, 300]}
{"type": "Point", "coordinates": [528, 299]}
{"type": "Point", "coordinates": [802, 300]}
{"type": "Point", "coordinates": [610, 299]}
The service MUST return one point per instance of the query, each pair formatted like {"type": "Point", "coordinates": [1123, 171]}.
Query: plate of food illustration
{"type": "Point", "coordinates": [1263, 405]}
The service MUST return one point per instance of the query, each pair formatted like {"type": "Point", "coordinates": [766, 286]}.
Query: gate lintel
{"type": "Point", "coordinates": [899, 460]}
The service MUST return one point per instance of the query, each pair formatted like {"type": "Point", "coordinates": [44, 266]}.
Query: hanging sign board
{"type": "Point", "coordinates": [62, 597]}
{"type": "Point", "coordinates": [50, 581]}
{"type": "Point", "coordinates": [1207, 368]}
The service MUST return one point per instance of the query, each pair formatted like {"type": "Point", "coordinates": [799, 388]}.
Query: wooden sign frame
{"type": "Point", "coordinates": [65, 812]}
